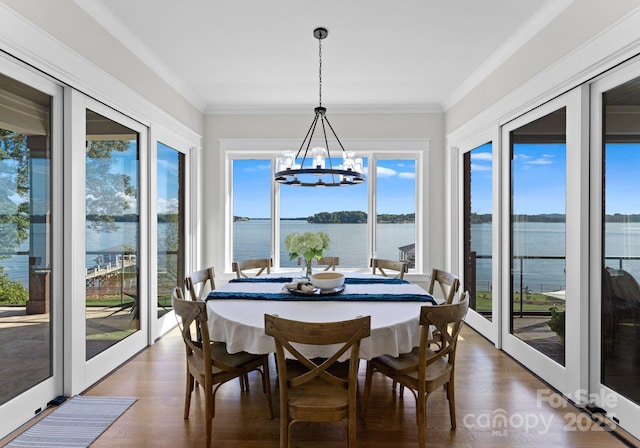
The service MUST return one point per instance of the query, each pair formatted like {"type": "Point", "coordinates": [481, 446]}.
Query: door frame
{"type": "Point", "coordinates": [571, 378]}
{"type": "Point", "coordinates": [84, 372]}
{"type": "Point", "coordinates": [616, 405]}
{"type": "Point", "coordinates": [159, 326]}
{"type": "Point", "coordinates": [488, 328]}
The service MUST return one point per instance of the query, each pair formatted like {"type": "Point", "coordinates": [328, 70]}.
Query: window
{"type": "Point", "coordinates": [396, 210]}
{"type": "Point", "coordinates": [171, 213]}
{"type": "Point", "coordinates": [340, 212]}
{"type": "Point", "coordinates": [26, 256]}
{"type": "Point", "coordinates": [478, 223]}
{"type": "Point", "coordinates": [343, 213]}
{"type": "Point", "coordinates": [538, 229]}
{"type": "Point", "coordinates": [112, 233]}
{"type": "Point", "coordinates": [251, 209]}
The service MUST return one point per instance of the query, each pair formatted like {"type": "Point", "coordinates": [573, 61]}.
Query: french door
{"type": "Point", "coordinates": [480, 226]}
{"type": "Point", "coordinates": [30, 243]}
{"type": "Point", "coordinates": [108, 257]}
{"type": "Point", "coordinates": [615, 246]}
{"type": "Point", "coordinates": [170, 219]}
{"type": "Point", "coordinates": [544, 253]}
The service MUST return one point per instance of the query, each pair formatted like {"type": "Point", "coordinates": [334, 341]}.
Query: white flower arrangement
{"type": "Point", "coordinates": [308, 245]}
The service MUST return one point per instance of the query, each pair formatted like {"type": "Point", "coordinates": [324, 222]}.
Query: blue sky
{"type": "Point", "coordinates": [538, 178]}
{"type": "Point", "coordinates": [252, 194]}
{"type": "Point", "coordinates": [539, 173]}
{"type": "Point", "coordinates": [167, 179]}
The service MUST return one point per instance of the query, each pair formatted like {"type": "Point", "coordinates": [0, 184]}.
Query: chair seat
{"type": "Point", "coordinates": [405, 366]}
{"type": "Point", "coordinates": [219, 352]}
{"type": "Point", "coordinates": [318, 400]}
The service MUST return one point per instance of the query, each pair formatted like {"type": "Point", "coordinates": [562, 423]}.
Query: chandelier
{"type": "Point", "coordinates": [316, 168]}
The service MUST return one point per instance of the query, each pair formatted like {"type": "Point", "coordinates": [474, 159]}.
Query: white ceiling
{"type": "Point", "coordinates": [380, 55]}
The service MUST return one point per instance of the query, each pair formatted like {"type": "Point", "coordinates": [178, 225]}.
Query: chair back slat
{"type": "Point", "coordinates": [381, 266]}
{"type": "Point", "coordinates": [447, 319]}
{"type": "Point", "coordinates": [200, 283]}
{"type": "Point", "coordinates": [261, 264]}
{"type": "Point", "coordinates": [329, 263]}
{"type": "Point", "coordinates": [447, 282]}
{"type": "Point", "coordinates": [345, 333]}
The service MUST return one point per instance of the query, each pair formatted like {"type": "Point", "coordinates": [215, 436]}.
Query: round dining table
{"type": "Point", "coordinates": [394, 309]}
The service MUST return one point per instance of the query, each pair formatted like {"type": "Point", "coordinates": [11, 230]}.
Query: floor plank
{"type": "Point", "coordinates": [490, 388]}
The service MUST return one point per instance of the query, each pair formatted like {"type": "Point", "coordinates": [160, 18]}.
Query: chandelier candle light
{"type": "Point", "coordinates": [319, 170]}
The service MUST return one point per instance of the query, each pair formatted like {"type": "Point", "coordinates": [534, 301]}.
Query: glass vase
{"type": "Point", "coordinates": [306, 268]}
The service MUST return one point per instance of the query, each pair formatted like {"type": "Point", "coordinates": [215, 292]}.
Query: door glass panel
{"type": "Point", "coordinates": [170, 209]}
{"type": "Point", "coordinates": [538, 195]}
{"type": "Point", "coordinates": [478, 223]}
{"type": "Point", "coordinates": [396, 208]}
{"type": "Point", "coordinates": [112, 233]}
{"type": "Point", "coordinates": [620, 324]}
{"type": "Point", "coordinates": [25, 238]}
{"type": "Point", "coordinates": [339, 212]}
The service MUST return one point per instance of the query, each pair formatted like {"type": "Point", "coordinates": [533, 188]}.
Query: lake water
{"type": "Point", "coordinates": [349, 242]}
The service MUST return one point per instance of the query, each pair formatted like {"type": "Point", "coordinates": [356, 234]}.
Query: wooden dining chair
{"type": "Point", "coordinates": [423, 370]}
{"type": "Point", "coordinates": [209, 363]}
{"type": "Point", "coordinates": [383, 266]}
{"type": "Point", "coordinates": [200, 283]}
{"type": "Point", "coordinates": [329, 263]}
{"type": "Point", "coordinates": [260, 264]}
{"type": "Point", "coordinates": [448, 284]}
{"type": "Point", "coordinates": [309, 390]}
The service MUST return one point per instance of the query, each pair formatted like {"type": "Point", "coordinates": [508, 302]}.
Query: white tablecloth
{"type": "Point", "coordinates": [395, 326]}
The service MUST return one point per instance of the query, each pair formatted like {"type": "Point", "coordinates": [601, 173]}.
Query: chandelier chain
{"type": "Point", "coordinates": [320, 70]}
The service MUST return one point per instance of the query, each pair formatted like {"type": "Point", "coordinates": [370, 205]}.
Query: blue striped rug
{"type": "Point", "coordinates": [76, 423]}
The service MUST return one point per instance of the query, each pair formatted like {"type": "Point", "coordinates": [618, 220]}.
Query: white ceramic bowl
{"type": "Point", "coordinates": [327, 280]}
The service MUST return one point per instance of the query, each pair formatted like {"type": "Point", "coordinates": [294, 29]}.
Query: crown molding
{"type": "Point", "coordinates": [333, 110]}
{"type": "Point", "coordinates": [533, 26]}
{"type": "Point", "coordinates": [114, 26]}
{"type": "Point", "coordinates": [22, 41]}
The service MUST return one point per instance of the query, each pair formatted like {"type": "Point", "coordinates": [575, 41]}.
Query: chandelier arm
{"type": "Point", "coordinates": [334, 134]}
{"type": "Point", "coordinates": [313, 126]}
{"type": "Point", "coordinates": [326, 143]}
{"type": "Point", "coordinates": [309, 136]}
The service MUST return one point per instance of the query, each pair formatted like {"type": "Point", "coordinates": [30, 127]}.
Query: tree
{"type": "Point", "coordinates": [108, 193]}
{"type": "Point", "coordinates": [14, 207]}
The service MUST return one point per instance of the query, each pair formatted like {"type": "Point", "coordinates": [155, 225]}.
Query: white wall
{"type": "Point", "coordinates": [577, 26]}
{"type": "Point", "coordinates": [347, 126]}
{"type": "Point", "coordinates": [26, 34]}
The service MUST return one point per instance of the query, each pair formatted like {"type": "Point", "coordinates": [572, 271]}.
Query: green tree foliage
{"type": "Point", "coordinates": [343, 217]}
{"type": "Point", "coordinates": [396, 219]}
{"type": "Point", "coordinates": [108, 193]}
{"type": "Point", "coordinates": [357, 217]}
{"type": "Point", "coordinates": [12, 291]}
{"type": "Point", "coordinates": [14, 207]}
{"type": "Point", "coordinates": [14, 190]}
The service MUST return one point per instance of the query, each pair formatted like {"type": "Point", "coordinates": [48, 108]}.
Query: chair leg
{"type": "Point", "coordinates": [452, 404]}
{"type": "Point", "coordinates": [266, 385]}
{"type": "Point", "coordinates": [367, 389]}
{"type": "Point", "coordinates": [187, 394]}
{"type": "Point", "coordinates": [209, 412]}
{"type": "Point", "coordinates": [421, 417]}
{"type": "Point", "coordinates": [351, 428]}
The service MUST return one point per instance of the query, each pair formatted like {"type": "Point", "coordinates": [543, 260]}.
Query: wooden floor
{"type": "Point", "coordinates": [499, 404]}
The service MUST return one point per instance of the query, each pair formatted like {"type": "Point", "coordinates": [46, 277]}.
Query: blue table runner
{"type": "Point", "coordinates": [286, 296]}
{"type": "Point", "coordinates": [347, 280]}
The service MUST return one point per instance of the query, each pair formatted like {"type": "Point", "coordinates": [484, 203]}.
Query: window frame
{"type": "Point", "coordinates": [237, 149]}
